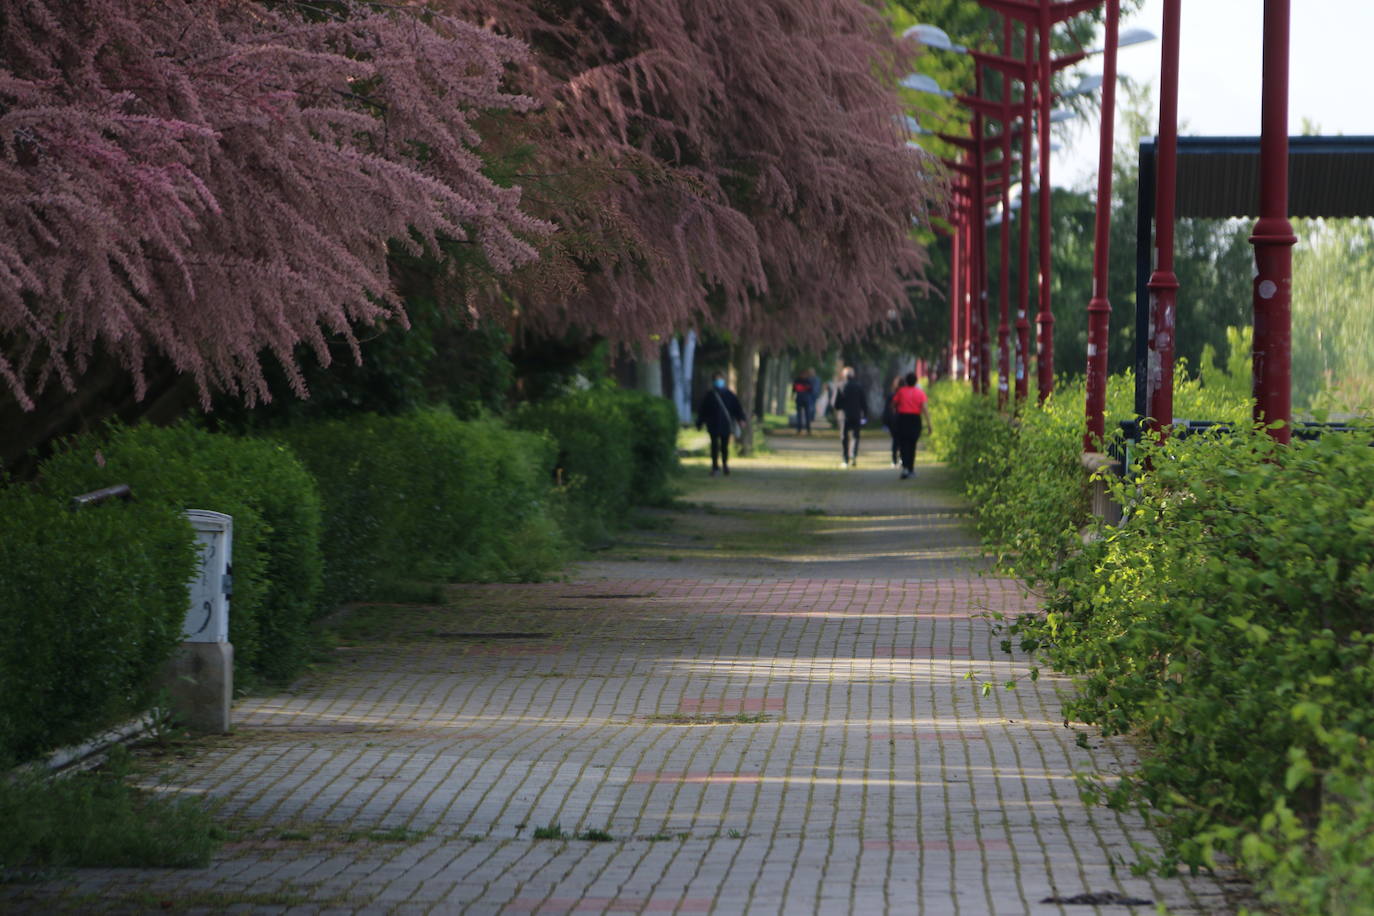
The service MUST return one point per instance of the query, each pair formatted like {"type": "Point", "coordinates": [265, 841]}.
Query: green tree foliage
{"type": "Point", "coordinates": [1333, 315]}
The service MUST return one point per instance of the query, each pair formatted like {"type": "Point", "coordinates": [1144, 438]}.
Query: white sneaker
{"type": "Point", "coordinates": [844, 464]}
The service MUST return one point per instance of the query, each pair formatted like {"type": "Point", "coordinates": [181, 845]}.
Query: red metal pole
{"type": "Point", "coordinates": [956, 295]}
{"type": "Point", "coordinates": [1045, 344]}
{"type": "Point", "coordinates": [1273, 237]}
{"type": "Point", "coordinates": [1100, 307]}
{"type": "Point", "coordinates": [1163, 285]}
{"type": "Point", "coordinates": [978, 222]}
{"type": "Point", "coordinates": [970, 241]}
{"type": "Point", "coordinates": [1023, 237]}
{"type": "Point", "coordinates": [1004, 249]}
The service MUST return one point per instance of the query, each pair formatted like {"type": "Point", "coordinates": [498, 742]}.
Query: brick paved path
{"type": "Point", "coordinates": [763, 706]}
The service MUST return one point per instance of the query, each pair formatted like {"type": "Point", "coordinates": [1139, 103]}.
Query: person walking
{"type": "Point", "coordinates": [890, 419]}
{"type": "Point", "coordinates": [806, 388]}
{"type": "Point", "coordinates": [909, 404]}
{"type": "Point", "coordinates": [720, 412]}
{"type": "Point", "coordinates": [851, 402]}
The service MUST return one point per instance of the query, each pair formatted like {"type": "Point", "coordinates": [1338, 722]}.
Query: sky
{"type": "Point", "coordinates": [1331, 48]}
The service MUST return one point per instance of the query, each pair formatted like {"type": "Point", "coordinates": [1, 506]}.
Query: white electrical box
{"type": "Point", "coordinates": [207, 618]}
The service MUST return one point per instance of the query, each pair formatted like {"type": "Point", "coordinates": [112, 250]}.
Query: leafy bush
{"type": "Point", "coordinates": [596, 442]}
{"type": "Point", "coordinates": [426, 495]}
{"type": "Point", "coordinates": [97, 820]}
{"type": "Point", "coordinates": [1024, 475]}
{"type": "Point", "coordinates": [91, 606]}
{"type": "Point", "coordinates": [1227, 621]}
{"type": "Point", "coordinates": [276, 511]}
{"type": "Point", "coordinates": [653, 427]}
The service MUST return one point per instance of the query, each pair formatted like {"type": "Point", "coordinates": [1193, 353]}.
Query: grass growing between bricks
{"type": "Point", "coordinates": [97, 819]}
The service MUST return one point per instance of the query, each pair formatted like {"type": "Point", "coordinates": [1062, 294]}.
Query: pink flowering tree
{"type": "Point", "coordinates": [205, 183]}
{"type": "Point", "coordinates": [715, 162]}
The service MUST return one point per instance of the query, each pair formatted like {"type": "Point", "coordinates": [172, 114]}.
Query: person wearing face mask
{"type": "Point", "coordinates": [720, 412]}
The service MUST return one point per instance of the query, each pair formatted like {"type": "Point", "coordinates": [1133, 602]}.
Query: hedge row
{"type": "Point", "coordinates": [276, 510]}
{"type": "Point", "coordinates": [615, 448]}
{"type": "Point", "coordinates": [91, 601]}
{"type": "Point", "coordinates": [1227, 623]}
{"type": "Point", "coordinates": [428, 496]}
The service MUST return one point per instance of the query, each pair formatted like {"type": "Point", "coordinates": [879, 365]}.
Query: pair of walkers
{"type": "Point", "coordinates": [906, 405]}
{"type": "Point", "coordinates": [902, 415]}
{"type": "Point", "coordinates": [851, 404]}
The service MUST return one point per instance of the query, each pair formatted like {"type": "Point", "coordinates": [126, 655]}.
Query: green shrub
{"type": "Point", "coordinates": [275, 506]}
{"type": "Point", "coordinates": [1024, 475]}
{"type": "Point", "coordinates": [95, 820]}
{"type": "Point", "coordinates": [596, 454]}
{"type": "Point", "coordinates": [91, 606]}
{"type": "Point", "coordinates": [426, 495]}
{"type": "Point", "coordinates": [1228, 622]}
{"type": "Point", "coordinates": [653, 428]}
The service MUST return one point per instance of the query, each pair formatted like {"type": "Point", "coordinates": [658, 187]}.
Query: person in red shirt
{"type": "Point", "coordinates": [909, 404]}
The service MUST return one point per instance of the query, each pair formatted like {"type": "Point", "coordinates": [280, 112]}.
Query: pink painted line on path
{"type": "Point", "coordinates": [610, 905]}
{"type": "Point", "coordinates": [680, 776]}
{"type": "Point", "coordinates": [938, 845]}
{"type": "Point", "coordinates": [920, 652]}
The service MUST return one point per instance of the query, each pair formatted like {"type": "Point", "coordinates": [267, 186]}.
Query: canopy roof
{"type": "Point", "coordinates": [1218, 177]}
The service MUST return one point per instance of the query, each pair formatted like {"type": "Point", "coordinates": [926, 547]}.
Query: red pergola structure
{"type": "Point", "coordinates": [1040, 16]}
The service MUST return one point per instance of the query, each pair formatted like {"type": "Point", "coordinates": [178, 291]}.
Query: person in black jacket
{"type": "Point", "coordinates": [851, 401]}
{"type": "Point", "coordinates": [720, 412]}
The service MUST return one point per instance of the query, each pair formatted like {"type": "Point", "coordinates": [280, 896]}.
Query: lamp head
{"type": "Point", "coordinates": [1087, 84]}
{"type": "Point", "coordinates": [922, 83]}
{"type": "Point", "coordinates": [1134, 37]}
{"type": "Point", "coordinates": [932, 36]}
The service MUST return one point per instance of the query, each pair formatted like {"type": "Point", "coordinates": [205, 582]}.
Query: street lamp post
{"type": "Point", "coordinates": [1273, 237]}
{"type": "Point", "coordinates": [1099, 307]}
{"type": "Point", "coordinates": [1023, 239]}
{"type": "Point", "coordinates": [1163, 285]}
{"type": "Point", "coordinates": [1004, 231]}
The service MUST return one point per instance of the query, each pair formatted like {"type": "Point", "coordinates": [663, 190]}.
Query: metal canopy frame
{"type": "Point", "coordinates": [1218, 178]}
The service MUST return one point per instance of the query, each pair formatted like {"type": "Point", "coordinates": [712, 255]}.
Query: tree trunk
{"type": "Point", "coordinates": [764, 388]}
{"type": "Point", "coordinates": [650, 370]}
{"type": "Point", "coordinates": [689, 362]}
{"type": "Point", "coordinates": [746, 366]}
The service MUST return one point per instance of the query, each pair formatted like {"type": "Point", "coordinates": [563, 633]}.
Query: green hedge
{"type": "Point", "coordinates": [91, 605]}
{"type": "Point", "coordinates": [653, 432]}
{"type": "Point", "coordinates": [276, 511]}
{"type": "Point", "coordinates": [425, 496]}
{"type": "Point", "coordinates": [595, 455]}
{"type": "Point", "coordinates": [1227, 624]}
